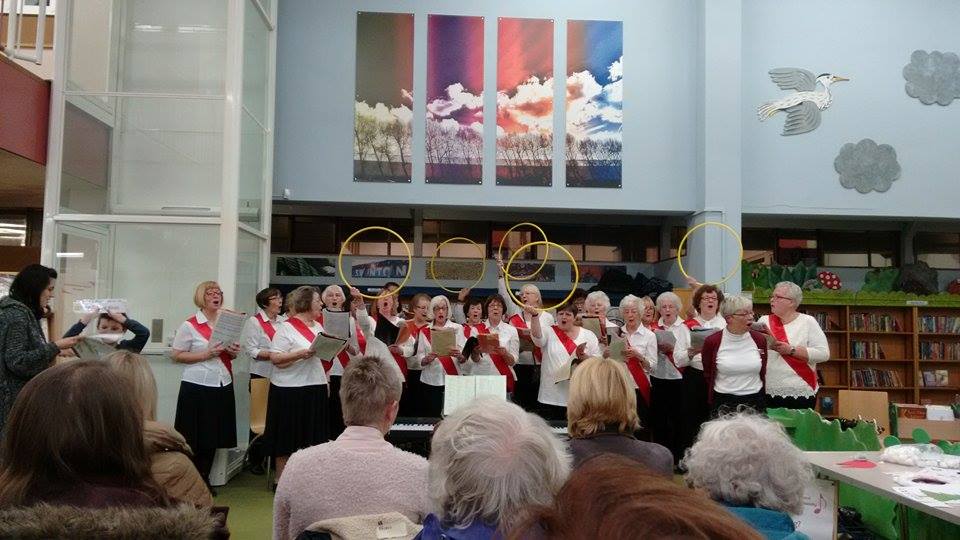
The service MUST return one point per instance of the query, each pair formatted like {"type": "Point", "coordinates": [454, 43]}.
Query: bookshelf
{"type": "Point", "coordinates": [910, 352]}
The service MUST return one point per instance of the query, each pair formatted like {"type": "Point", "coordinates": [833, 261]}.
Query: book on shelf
{"type": "Point", "coordinates": [933, 324]}
{"type": "Point", "coordinates": [866, 350]}
{"type": "Point", "coordinates": [874, 378]}
{"type": "Point", "coordinates": [825, 321]}
{"type": "Point", "coordinates": [935, 378]}
{"type": "Point", "coordinates": [874, 322]}
{"type": "Point", "coordinates": [939, 350]}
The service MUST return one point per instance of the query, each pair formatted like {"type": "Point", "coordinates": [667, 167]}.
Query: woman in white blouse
{"type": "Point", "coordinates": [502, 359]}
{"type": "Point", "coordinates": [528, 364]}
{"type": "Point", "coordinates": [666, 384]}
{"type": "Point", "coordinates": [562, 343]}
{"type": "Point", "coordinates": [205, 404]}
{"type": "Point", "coordinates": [411, 401]}
{"type": "Point", "coordinates": [734, 361]}
{"type": "Point", "coordinates": [641, 355]}
{"type": "Point", "coordinates": [297, 406]}
{"type": "Point", "coordinates": [334, 300]}
{"type": "Point", "coordinates": [696, 410]}
{"type": "Point", "coordinates": [258, 332]}
{"type": "Point", "coordinates": [437, 365]}
{"type": "Point", "coordinates": [801, 344]}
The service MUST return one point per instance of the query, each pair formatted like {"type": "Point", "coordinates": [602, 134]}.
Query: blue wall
{"type": "Point", "coordinates": [315, 89]}
{"type": "Point", "coordinates": [869, 41]}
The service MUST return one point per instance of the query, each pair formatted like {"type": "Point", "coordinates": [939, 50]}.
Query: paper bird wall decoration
{"type": "Point", "coordinates": [802, 106]}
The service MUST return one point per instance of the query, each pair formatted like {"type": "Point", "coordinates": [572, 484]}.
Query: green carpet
{"type": "Point", "coordinates": [251, 506]}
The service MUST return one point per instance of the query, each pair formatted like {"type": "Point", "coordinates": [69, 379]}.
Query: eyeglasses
{"type": "Point", "coordinates": [778, 297]}
{"type": "Point", "coordinates": [213, 292]}
{"type": "Point", "coordinates": [747, 314]}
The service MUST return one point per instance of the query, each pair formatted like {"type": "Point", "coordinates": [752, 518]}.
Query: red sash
{"type": "Point", "coordinates": [797, 365]}
{"type": "Point", "coordinates": [518, 322]}
{"type": "Point", "coordinates": [308, 335]}
{"type": "Point", "coordinates": [466, 330]}
{"type": "Point", "coordinates": [692, 323]}
{"type": "Point", "coordinates": [268, 328]}
{"type": "Point", "coordinates": [401, 361]}
{"type": "Point", "coordinates": [361, 339]}
{"type": "Point", "coordinates": [499, 361]}
{"type": "Point", "coordinates": [205, 331]}
{"type": "Point", "coordinates": [643, 383]}
{"type": "Point", "coordinates": [446, 361]}
{"type": "Point", "coordinates": [565, 340]}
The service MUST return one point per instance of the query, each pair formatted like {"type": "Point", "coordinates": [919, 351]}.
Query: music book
{"type": "Point", "coordinates": [664, 366]}
{"type": "Point", "coordinates": [592, 324]}
{"type": "Point", "coordinates": [461, 389]}
{"type": "Point", "coordinates": [618, 349]}
{"type": "Point", "coordinates": [765, 330]}
{"type": "Point", "coordinates": [327, 347]}
{"type": "Point", "coordinates": [488, 342]}
{"type": "Point", "coordinates": [228, 327]}
{"type": "Point", "coordinates": [337, 323]}
{"type": "Point", "coordinates": [526, 340]}
{"type": "Point", "coordinates": [442, 340]}
{"type": "Point", "coordinates": [386, 331]}
{"type": "Point", "coordinates": [97, 346]}
{"type": "Point", "coordinates": [697, 336]}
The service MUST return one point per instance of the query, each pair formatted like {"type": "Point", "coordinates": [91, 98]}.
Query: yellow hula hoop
{"type": "Point", "coordinates": [506, 269]}
{"type": "Point", "coordinates": [723, 226]}
{"type": "Point", "coordinates": [576, 272]}
{"type": "Point", "coordinates": [483, 261]}
{"type": "Point", "coordinates": [405, 246]}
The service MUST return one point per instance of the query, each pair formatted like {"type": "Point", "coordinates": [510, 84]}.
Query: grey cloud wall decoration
{"type": "Point", "coordinates": [867, 166]}
{"type": "Point", "coordinates": [933, 77]}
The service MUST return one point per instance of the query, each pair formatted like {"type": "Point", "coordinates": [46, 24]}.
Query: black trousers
{"type": "Point", "coordinates": [411, 399]}
{"type": "Point", "coordinates": [432, 400]}
{"type": "Point", "coordinates": [729, 403]}
{"type": "Point", "coordinates": [335, 409]}
{"type": "Point", "coordinates": [696, 410]}
{"type": "Point", "coordinates": [666, 414]}
{"type": "Point", "coordinates": [527, 388]}
{"type": "Point", "coordinates": [776, 402]}
{"type": "Point", "coordinates": [552, 412]}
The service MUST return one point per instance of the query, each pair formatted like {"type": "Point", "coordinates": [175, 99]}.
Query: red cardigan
{"type": "Point", "coordinates": [709, 357]}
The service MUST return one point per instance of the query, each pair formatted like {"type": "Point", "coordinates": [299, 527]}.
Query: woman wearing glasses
{"type": "Point", "coordinates": [800, 345]}
{"type": "Point", "coordinates": [205, 409]}
{"type": "Point", "coordinates": [735, 360]}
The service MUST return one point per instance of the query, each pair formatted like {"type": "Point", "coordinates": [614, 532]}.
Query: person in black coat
{"type": "Point", "coordinates": [115, 323]}
{"type": "Point", "coordinates": [24, 351]}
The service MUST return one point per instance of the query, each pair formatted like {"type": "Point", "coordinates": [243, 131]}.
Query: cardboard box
{"type": "Point", "coordinates": [937, 429]}
{"type": "Point", "coordinates": [917, 412]}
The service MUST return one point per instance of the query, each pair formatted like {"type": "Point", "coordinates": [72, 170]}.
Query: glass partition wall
{"type": "Point", "coordinates": [160, 167]}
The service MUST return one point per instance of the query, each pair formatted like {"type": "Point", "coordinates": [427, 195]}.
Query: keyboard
{"type": "Point", "coordinates": [409, 425]}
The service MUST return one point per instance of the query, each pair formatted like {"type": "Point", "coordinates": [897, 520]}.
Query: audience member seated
{"type": "Point", "coordinates": [602, 417]}
{"type": "Point", "coordinates": [74, 453]}
{"type": "Point", "coordinates": [748, 463]}
{"type": "Point", "coordinates": [114, 323]}
{"type": "Point", "coordinates": [612, 497]}
{"type": "Point", "coordinates": [359, 473]}
{"type": "Point", "coordinates": [170, 463]}
{"type": "Point", "coordinates": [489, 461]}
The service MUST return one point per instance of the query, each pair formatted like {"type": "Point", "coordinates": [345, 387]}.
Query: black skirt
{"type": "Point", "coordinates": [666, 400]}
{"type": "Point", "coordinates": [206, 416]}
{"type": "Point", "coordinates": [411, 398]}
{"type": "Point", "coordinates": [296, 418]}
{"type": "Point", "coordinates": [696, 410]}
{"type": "Point", "coordinates": [527, 388]}
{"type": "Point", "coordinates": [432, 400]}
{"type": "Point", "coordinates": [335, 412]}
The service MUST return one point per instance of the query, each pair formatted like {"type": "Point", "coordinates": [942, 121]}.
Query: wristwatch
{"type": "Point", "coordinates": [793, 350]}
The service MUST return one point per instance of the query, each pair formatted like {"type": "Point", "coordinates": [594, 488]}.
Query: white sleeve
{"type": "Point", "coordinates": [282, 342]}
{"type": "Point", "coordinates": [512, 307]}
{"type": "Point", "coordinates": [250, 338]}
{"type": "Point", "coordinates": [649, 351]}
{"type": "Point", "coordinates": [513, 344]}
{"type": "Point", "coordinates": [457, 315]}
{"type": "Point", "coordinates": [545, 330]}
{"type": "Point", "coordinates": [593, 345]}
{"type": "Point", "coordinates": [818, 349]}
{"type": "Point", "coordinates": [680, 356]}
{"type": "Point", "coordinates": [183, 338]}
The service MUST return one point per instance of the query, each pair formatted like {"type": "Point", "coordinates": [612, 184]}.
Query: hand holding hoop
{"type": "Point", "coordinates": [733, 271]}
{"type": "Point", "coordinates": [406, 246]}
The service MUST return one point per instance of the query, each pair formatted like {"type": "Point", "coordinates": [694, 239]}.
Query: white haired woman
{"type": "Point", "coordinates": [748, 463]}
{"type": "Point", "coordinates": [438, 364]}
{"type": "Point", "coordinates": [735, 360]}
{"type": "Point", "coordinates": [489, 462]}
{"type": "Point", "coordinates": [801, 344]}
{"type": "Point", "coordinates": [334, 300]}
{"type": "Point", "coordinates": [596, 304]}
{"type": "Point", "coordinates": [527, 367]}
{"type": "Point", "coordinates": [641, 354]}
{"type": "Point", "coordinates": [666, 383]}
